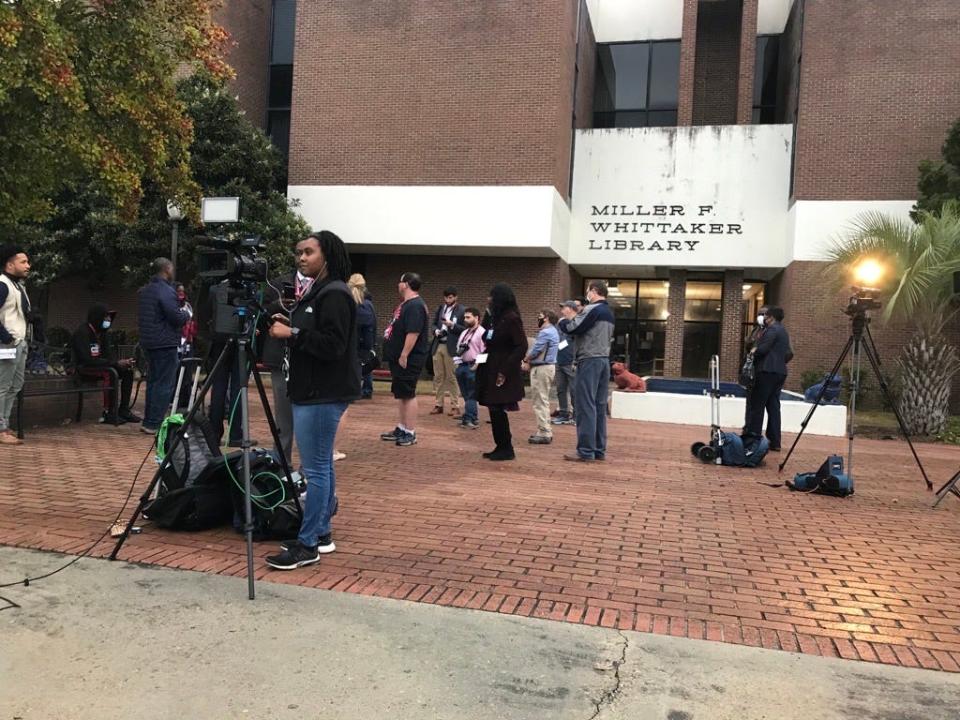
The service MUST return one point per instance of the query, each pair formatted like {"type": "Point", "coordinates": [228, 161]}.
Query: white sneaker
{"type": "Point", "coordinates": [337, 455]}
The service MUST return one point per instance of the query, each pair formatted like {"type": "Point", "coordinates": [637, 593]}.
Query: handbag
{"type": "Point", "coordinates": [748, 372]}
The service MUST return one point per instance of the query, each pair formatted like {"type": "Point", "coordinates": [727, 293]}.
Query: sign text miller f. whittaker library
{"type": "Point", "coordinates": [632, 220]}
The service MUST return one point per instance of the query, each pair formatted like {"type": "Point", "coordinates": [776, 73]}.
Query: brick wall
{"type": "Point", "coordinates": [688, 62]}
{"type": "Point", "coordinates": [717, 63]}
{"type": "Point", "coordinates": [731, 325]}
{"type": "Point", "coordinates": [587, 65]}
{"type": "Point", "coordinates": [676, 301]}
{"type": "Point", "coordinates": [748, 59]}
{"type": "Point", "coordinates": [417, 92]}
{"type": "Point", "coordinates": [538, 282]}
{"type": "Point", "coordinates": [248, 22]}
{"type": "Point", "coordinates": [879, 88]}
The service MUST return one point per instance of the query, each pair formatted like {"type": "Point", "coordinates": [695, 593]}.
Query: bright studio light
{"type": "Point", "coordinates": [868, 273]}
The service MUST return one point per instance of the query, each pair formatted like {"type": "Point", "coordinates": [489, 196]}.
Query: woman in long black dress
{"type": "Point", "coordinates": [499, 377]}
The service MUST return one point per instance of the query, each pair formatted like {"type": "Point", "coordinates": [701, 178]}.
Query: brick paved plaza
{"type": "Point", "coordinates": [651, 540]}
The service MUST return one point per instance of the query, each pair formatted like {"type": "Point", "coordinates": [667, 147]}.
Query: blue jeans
{"type": "Point", "coordinates": [315, 427]}
{"type": "Point", "coordinates": [467, 380]}
{"type": "Point", "coordinates": [590, 406]}
{"type": "Point", "coordinates": [161, 381]}
{"type": "Point", "coordinates": [366, 385]}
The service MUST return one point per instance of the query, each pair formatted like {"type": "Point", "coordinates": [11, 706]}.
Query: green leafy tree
{"type": "Point", "coordinates": [228, 157]}
{"type": "Point", "coordinates": [87, 95]}
{"type": "Point", "coordinates": [918, 291]}
{"type": "Point", "coordinates": [940, 180]}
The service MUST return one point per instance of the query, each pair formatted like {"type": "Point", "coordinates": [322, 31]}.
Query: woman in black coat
{"type": "Point", "coordinates": [500, 379]}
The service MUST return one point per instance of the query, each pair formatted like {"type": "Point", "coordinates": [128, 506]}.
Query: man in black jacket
{"type": "Point", "coordinates": [95, 357]}
{"type": "Point", "coordinates": [771, 354]}
{"type": "Point", "coordinates": [447, 326]}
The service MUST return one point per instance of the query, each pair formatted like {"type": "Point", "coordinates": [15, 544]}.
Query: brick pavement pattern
{"type": "Point", "coordinates": [652, 540]}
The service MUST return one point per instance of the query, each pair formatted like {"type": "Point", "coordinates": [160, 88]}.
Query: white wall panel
{"type": "Point", "coordinates": [772, 16]}
{"type": "Point", "coordinates": [715, 196]}
{"type": "Point", "coordinates": [634, 20]}
{"type": "Point", "coordinates": [817, 224]}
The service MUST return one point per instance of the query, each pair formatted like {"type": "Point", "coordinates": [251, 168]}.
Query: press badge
{"type": "Point", "coordinates": [563, 344]}
{"type": "Point", "coordinates": [95, 350]}
{"type": "Point", "coordinates": [490, 334]}
{"type": "Point", "coordinates": [481, 359]}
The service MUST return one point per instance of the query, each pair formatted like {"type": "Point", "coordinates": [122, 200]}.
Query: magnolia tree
{"type": "Point", "coordinates": [88, 95]}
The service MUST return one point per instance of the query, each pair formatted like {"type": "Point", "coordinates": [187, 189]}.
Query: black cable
{"type": "Point", "coordinates": [10, 604]}
{"type": "Point", "coordinates": [26, 581]}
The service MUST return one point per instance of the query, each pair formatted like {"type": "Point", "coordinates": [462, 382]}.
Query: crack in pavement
{"type": "Point", "coordinates": [607, 697]}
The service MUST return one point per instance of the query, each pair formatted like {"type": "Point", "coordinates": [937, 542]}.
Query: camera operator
{"type": "Point", "coordinates": [771, 354]}
{"type": "Point", "coordinates": [321, 338]}
{"type": "Point", "coordinates": [160, 321]}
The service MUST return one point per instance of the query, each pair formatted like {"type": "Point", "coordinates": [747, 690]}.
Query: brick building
{"type": "Point", "coordinates": [698, 154]}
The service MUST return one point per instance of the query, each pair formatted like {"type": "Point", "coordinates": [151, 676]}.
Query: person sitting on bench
{"type": "Point", "coordinates": [95, 356]}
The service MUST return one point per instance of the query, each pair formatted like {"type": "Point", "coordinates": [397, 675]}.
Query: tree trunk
{"type": "Point", "coordinates": [928, 364]}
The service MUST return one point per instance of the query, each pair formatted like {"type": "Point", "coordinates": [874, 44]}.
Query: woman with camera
{"type": "Point", "coordinates": [321, 337]}
{"type": "Point", "coordinates": [499, 378]}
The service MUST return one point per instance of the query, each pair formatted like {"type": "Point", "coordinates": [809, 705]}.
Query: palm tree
{"type": "Point", "coordinates": [921, 259]}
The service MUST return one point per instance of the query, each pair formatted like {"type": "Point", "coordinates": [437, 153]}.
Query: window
{"type": "Point", "coordinates": [754, 297]}
{"type": "Point", "coordinates": [703, 309]}
{"type": "Point", "coordinates": [280, 91]}
{"type": "Point", "coordinates": [640, 328]}
{"type": "Point", "coordinates": [637, 84]}
{"type": "Point", "coordinates": [766, 78]}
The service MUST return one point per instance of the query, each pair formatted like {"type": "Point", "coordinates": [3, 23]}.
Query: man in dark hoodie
{"type": "Point", "coordinates": [95, 356]}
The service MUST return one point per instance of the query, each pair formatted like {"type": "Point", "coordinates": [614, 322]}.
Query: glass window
{"type": "Point", "coordinates": [652, 301]}
{"type": "Point", "coordinates": [281, 86]}
{"type": "Point", "coordinates": [664, 75]}
{"type": "Point", "coordinates": [278, 129]}
{"type": "Point", "coordinates": [637, 84]}
{"type": "Point", "coordinates": [766, 78]}
{"type": "Point", "coordinates": [284, 27]}
{"type": "Point", "coordinates": [622, 298]}
{"type": "Point", "coordinates": [703, 302]}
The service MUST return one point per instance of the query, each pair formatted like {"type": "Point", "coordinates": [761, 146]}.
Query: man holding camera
{"type": "Point", "coordinates": [447, 326]}
{"type": "Point", "coordinates": [771, 353]}
{"type": "Point", "coordinates": [14, 318]}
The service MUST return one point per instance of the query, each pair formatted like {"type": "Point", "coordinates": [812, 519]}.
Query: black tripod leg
{"type": "Point", "coordinates": [803, 425]}
{"type": "Point", "coordinates": [177, 439]}
{"type": "Point", "coordinates": [950, 486]}
{"type": "Point", "coordinates": [271, 422]}
{"type": "Point", "coordinates": [875, 364]}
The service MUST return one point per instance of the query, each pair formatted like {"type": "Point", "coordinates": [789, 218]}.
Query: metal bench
{"type": "Point", "coordinates": [51, 371]}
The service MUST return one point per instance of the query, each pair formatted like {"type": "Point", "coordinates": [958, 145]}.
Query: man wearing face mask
{"type": "Point", "coordinates": [751, 344]}
{"type": "Point", "coordinates": [95, 355]}
{"type": "Point", "coordinates": [771, 354]}
{"type": "Point", "coordinates": [541, 363]}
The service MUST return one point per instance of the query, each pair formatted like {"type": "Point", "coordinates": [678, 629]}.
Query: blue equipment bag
{"type": "Point", "coordinates": [828, 480]}
{"type": "Point", "coordinates": [737, 453]}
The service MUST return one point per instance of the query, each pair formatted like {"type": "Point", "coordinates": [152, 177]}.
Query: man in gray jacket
{"type": "Point", "coordinates": [592, 330]}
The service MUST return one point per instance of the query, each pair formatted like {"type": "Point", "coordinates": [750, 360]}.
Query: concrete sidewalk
{"type": "Point", "coordinates": [112, 640]}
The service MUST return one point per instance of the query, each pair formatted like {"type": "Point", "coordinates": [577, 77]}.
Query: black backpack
{"type": "Point", "coordinates": [276, 515]}
{"type": "Point", "coordinates": [192, 456]}
{"type": "Point", "coordinates": [204, 504]}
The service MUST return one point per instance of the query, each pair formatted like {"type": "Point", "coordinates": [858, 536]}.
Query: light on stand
{"type": "Point", "coordinates": [176, 215]}
{"type": "Point", "coordinates": [868, 273]}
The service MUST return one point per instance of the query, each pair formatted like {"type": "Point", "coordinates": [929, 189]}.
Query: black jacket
{"type": "Point", "coordinates": [272, 350]}
{"type": "Point", "coordinates": [323, 355]}
{"type": "Point", "coordinates": [773, 350]}
{"type": "Point", "coordinates": [367, 327]}
{"type": "Point", "coordinates": [90, 337]}
{"type": "Point", "coordinates": [505, 351]}
{"type": "Point", "coordinates": [453, 334]}
{"type": "Point", "coordinates": [160, 317]}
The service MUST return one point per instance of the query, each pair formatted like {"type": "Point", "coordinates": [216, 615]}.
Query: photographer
{"type": "Point", "coordinates": [321, 335]}
{"type": "Point", "coordinates": [771, 354]}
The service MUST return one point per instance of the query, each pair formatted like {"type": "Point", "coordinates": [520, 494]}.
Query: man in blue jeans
{"type": "Point", "coordinates": [469, 345]}
{"type": "Point", "coordinates": [160, 319]}
{"type": "Point", "coordinates": [592, 330]}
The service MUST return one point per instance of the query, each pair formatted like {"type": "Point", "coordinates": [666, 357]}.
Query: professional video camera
{"type": "Point", "coordinates": [237, 260]}
{"type": "Point", "coordinates": [237, 265]}
{"type": "Point", "coordinates": [861, 302]}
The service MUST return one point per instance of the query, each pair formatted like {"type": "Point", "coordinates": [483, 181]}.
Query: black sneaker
{"type": "Point", "coordinates": [130, 416]}
{"type": "Point", "coordinates": [392, 435]}
{"type": "Point", "coordinates": [325, 544]}
{"type": "Point", "coordinates": [406, 439]}
{"type": "Point", "coordinates": [111, 419]}
{"type": "Point", "coordinates": [295, 557]}
{"type": "Point", "coordinates": [501, 455]}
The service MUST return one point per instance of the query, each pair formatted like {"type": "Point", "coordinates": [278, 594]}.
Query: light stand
{"type": "Point", "coordinates": [861, 342]}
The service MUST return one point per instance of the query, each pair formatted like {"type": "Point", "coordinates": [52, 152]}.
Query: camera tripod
{"type": "Point", "coordinates": [861, 343]}
{"type": "Point", "coordinates": [241, 344]}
